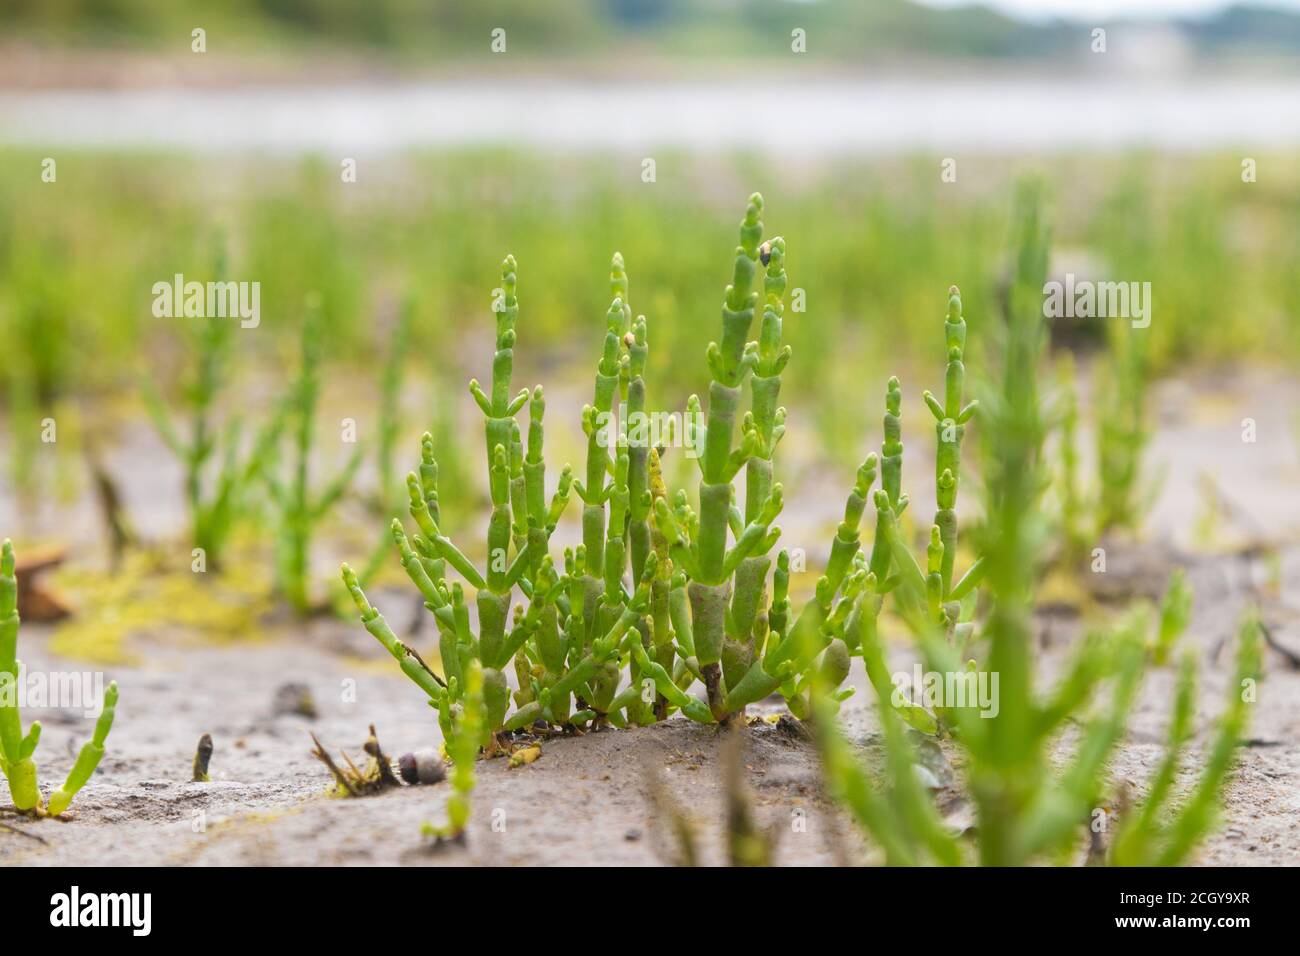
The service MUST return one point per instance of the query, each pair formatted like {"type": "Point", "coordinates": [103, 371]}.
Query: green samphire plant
{"type": "Point", "coordinates": [16, 748]}
{"type": "Point", "coordinates": [219, 475]}
{"type": "Point", "coordinates": [646, 564]}
{"type": "Point", "coordinates": [741, 643]}
{"type": "Point", "coordinates": [297, 507]}
{"type": "Point", "coordinates": [664, 590]}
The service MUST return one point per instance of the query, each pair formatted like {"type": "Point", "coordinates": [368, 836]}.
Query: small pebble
{"type": "Point", "coordinates": [294, 698]}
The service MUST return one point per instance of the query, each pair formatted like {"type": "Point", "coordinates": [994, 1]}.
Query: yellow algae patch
{"type": "Point", "coordinates": [144, 596]}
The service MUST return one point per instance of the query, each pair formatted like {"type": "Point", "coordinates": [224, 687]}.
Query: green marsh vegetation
{"type": "Point", "coordinates": [1217, 286]}
{"type": "Point", "coordinates": [1217, 263]}
{"type": "Point", "coordinates": [76, 334]}
{"type": "Point", "coordinates": [220, 474]}
{"type": "Point", "coordinates": [1025, 810]}
{"type": "Point", "coordinates": [297, 505]}
{"type": "Point", "coordinates": [678, 581]}
{"type": "Point", "coordinates": [670, 589]}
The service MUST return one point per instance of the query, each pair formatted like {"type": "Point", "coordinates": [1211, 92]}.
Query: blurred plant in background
{"type": "Point", "coordinates": [73, 284]}
{"type": "Point", "coordinates": [1036, 797]}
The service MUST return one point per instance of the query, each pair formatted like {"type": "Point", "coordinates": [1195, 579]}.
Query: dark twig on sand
{"type": "Point", "coordinates": [321, 754]}
{"type": "Point", "coordinates": [353, 781]}
{"type": "Point", "coordinates": [1292, 658]}
{"type": "Point", "coordinates": [23, 833]}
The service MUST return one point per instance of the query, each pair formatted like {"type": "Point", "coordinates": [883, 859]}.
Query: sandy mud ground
{"type": "Point", "coordinates": [590, 799]}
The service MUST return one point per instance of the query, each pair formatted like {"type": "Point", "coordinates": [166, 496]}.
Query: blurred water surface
{"type": "Point", "coordinates": [817, 117]}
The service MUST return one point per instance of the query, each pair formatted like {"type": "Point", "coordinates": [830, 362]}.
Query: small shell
{"type": "Point", "coordinates": [765, 253]}
{"type": "Point", "coordinates": [423, 766]}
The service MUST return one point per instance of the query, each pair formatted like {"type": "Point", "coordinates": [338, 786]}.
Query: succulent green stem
{"type": "Point", "coordinates": [16, 750]}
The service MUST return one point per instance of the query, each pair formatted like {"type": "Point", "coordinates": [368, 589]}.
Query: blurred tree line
{"type": "Point", "coordinates": [840, 29]}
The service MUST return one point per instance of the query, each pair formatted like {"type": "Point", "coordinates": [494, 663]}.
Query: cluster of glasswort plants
{"type": "Point", "coordinates": [577, 624]}
{"type": "Point", "coordinates": [16, 748]}
{"type": "Point", "coordinates": [746, 647]}
{"type": "Point", "coordinates": [1026, 811]}
{"type": "Point", "coordinates": [658, 595]}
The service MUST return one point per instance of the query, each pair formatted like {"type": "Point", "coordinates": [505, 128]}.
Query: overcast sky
{"type": "Point", "coordinates": [1085, 9]}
